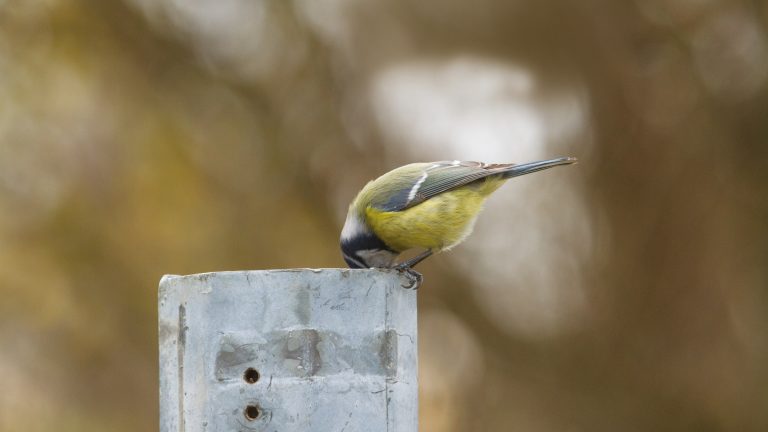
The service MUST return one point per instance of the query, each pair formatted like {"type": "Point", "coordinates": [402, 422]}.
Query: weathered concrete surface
{"type": "Point", "coordinates": [335, 350]}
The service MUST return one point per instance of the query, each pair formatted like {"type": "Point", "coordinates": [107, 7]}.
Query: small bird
{"type": "Point", "coordinates": [429, 205]}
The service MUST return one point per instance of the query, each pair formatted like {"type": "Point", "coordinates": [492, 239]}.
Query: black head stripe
{"type": "Point", "coordinates": [367, 241]}
{"type": "Point", "coordinates": [354, 262]}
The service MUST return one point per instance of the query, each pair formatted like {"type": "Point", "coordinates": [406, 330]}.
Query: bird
{"type": "Point", "coordinates": [431, 206]}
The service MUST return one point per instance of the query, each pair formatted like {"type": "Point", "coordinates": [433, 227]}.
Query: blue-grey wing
{"type": "Point", "coordinates": [436, 178]}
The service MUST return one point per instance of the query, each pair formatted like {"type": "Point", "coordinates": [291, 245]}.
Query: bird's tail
{"type": "Point", "coordinates": [527, 168]}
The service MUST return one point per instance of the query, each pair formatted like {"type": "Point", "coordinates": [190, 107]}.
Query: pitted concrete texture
{"type": "Point", "coordinates": [333, 350]}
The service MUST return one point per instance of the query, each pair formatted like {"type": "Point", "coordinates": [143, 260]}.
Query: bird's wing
{"type": "Point", "coordinates": [436, 178]}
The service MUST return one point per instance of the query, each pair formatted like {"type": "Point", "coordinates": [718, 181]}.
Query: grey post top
{"type": "Point", "coordinates": [288, 350]}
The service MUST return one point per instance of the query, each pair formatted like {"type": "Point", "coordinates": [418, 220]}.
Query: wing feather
{"type": "Point", "coordinates": [439, 177]}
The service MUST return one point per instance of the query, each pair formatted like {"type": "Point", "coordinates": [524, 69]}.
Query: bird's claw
{"type": "Point", "coordinates": [415, 278]}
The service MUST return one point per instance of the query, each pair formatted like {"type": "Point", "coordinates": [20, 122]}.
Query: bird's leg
{"type": "Point", "coordinates": [406, 267]}
{"type": "Point", "coordinates": [417, 259]}
{"type": "Point", "coordinates": [414, 278]}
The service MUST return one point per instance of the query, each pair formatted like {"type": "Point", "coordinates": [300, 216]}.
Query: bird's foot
{"type": "Point", "coordinates": [414, 278]}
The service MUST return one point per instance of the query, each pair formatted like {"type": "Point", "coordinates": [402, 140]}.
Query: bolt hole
{"type": "Point", "coordinates": [251, 412]}
{"type": "Point", "coordinates": [251, 375]}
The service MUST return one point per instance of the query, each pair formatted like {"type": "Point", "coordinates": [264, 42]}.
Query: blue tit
{"type": "Point", "coordinates": [430, 206]}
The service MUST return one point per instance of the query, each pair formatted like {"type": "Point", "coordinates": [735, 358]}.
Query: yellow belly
{"type": "Point", "coordinates": [438, 223]}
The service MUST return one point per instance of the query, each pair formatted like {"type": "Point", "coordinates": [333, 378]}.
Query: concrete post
{"type": "Point", "coordinates": [288, 350]}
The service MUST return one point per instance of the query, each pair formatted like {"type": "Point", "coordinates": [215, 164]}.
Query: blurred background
{"type": "Point", "coordinates": [626, 293]}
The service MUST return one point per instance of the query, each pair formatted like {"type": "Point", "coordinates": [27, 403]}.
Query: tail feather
{"type": "Point", "coordinates": [527, 168]}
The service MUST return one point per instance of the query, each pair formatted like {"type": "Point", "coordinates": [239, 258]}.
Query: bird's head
{"type": "Point", "coordinates": [361, 248]}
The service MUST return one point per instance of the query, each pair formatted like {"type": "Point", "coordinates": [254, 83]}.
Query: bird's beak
{"type": "Point", "coordinates": [530, 167]}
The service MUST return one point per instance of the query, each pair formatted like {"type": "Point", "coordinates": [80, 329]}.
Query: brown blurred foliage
{"type": "Point", "coordinates": [144, 137]}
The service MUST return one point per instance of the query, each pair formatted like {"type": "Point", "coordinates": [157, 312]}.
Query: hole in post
{"type": "Point", "coordinates": [251, 412]}
{"type": "Point", "coordinates": [251, 375]}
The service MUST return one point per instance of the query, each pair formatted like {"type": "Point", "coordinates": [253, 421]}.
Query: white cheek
{"type": "Point", "coordinates": [352, 227]}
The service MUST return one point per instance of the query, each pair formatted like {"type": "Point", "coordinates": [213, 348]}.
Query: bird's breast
{"type": "Point", "coordinates": [438, 223]}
